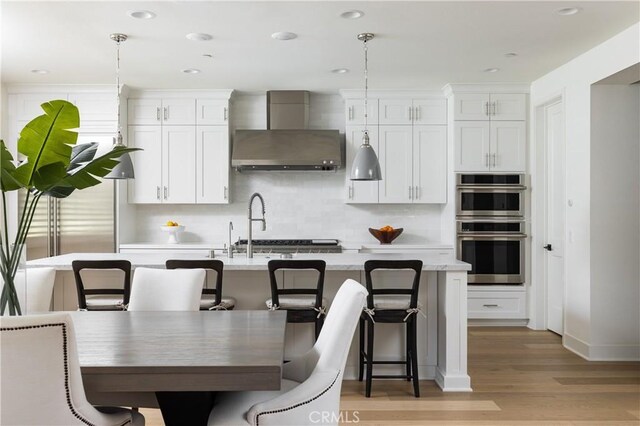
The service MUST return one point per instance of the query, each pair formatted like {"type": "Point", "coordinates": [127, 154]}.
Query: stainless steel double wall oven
{"type": "Point", "coordinates": [491, 229]}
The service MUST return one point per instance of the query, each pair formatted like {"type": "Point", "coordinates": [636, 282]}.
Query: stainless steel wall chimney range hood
{"type": "Point", "coordinates": [287, 144]}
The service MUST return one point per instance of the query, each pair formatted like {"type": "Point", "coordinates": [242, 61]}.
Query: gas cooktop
{"type": "Point", "coordinates": [291, 246]}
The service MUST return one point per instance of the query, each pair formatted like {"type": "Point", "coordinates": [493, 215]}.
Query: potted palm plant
{"type": "Point", "coordinates": [54, 166]}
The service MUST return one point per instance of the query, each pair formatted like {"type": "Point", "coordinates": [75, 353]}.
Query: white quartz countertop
{"type": "Point", "coordinates": [346, 245]}
{"type": "Point", "coordinates": [178, 246]}
{"type": "Point", "coordinates": [335, 261]}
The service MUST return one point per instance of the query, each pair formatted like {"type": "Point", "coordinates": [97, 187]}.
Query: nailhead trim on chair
{"type": "Point", "coordinates": [66, 367]}
{"type": "Point", "coordinates": [282, 410]}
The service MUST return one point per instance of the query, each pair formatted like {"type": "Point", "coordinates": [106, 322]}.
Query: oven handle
{"type": "Point", "coordinates": [491, 187]}
{"type": "Point", "coordinates": [468, 236]}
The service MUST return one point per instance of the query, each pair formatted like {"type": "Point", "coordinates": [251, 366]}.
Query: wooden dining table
{"type": "Point", "coordinates": [180, 358]}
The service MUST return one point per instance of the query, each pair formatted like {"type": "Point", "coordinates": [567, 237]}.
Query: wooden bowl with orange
{"type": "Point", "coordinates": [386, 234]}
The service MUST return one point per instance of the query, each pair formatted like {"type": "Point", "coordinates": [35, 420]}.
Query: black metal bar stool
{"type": "Point", "coordinates": [102, 299]}
{"type": "Point", "coordinates": [302, 304]}
{"type": "Point", "coordinates": [391, 305]}
{"type": "Point", "coordinates": [211, 297]}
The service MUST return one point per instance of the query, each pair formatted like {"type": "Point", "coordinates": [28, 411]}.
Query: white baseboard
{"type": "Point", "coordinates": [601, 352]}
{"type": "Point", "coordinates": [497, 322]}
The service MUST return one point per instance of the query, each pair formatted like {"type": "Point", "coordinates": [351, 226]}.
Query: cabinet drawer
{"type": "Point", "coordinates": [496, 306]}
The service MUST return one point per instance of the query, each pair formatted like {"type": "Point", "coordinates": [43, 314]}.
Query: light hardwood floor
{"type": "Point", "coordinates": [519, 377]}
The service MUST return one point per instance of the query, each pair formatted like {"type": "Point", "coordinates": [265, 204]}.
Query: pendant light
{"type": "Point", "coordinates": [124, 169]}
{"type": "Point", "coordinates": [366, 166]}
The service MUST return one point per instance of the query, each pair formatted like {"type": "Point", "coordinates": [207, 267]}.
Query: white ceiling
{"type": "Point", "coordinates": [420, 45]}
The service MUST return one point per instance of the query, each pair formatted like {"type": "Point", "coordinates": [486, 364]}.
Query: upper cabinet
{"type": "Point", "coordinates": [494, 107]}
{"type": "Point", "coordinates": [172, 111]}
{"type": "Point", "coordinates": [409, 135]}
{"type": "Point", "coordinates": [185, 142]}
{"type": "Point", "coordinates": [354, 112]}
{"type": "Point", "coordinates": [412, 111]}
{"type": "Point", "coordinates": [490, 129]}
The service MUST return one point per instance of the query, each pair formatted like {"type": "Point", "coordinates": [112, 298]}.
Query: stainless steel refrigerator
{"type": "Point", "coordinates": [80, 223]}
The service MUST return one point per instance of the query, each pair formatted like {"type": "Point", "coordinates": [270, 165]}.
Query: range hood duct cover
{"type": "Point", "coordinates": [287, 144]}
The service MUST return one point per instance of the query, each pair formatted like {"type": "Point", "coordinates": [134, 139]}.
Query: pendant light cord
{"type": "Point", "coordinates": [366, 87]}
{"type": "Point", "coordinates": [118, 86]}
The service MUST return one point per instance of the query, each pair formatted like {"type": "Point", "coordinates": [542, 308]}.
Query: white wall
{"type": "Point", "coordinates": [573, 81]}
{"type": "Point", "coordinates": [298, 204]}
{"type": "Point", "coordinates": [615, 209]}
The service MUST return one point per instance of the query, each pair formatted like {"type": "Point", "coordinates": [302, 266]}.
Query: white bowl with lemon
{"type": "Point", "coordinates": [173, 229]}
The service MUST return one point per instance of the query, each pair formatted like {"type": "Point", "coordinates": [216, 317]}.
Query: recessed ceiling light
{"type": "Point", "coordinates": [352, 14]}
{"type": "Point", "coordinates": [510, 55]}
{"type": "Point", "coordinates": [284, 35]}
{"type": "Point", "coordinates": [199, 36]}
{"type": "Point", "coordinates": [141, 14]}
{"type": "Point", "coordinates": [492, 70]}
{"type": "Point", "coordinates": [40, 71]}
{"type": "Point", "coordinates": [191, 71]}
{"type": "Point", "coordinates": [340, 70]}
{"type": "Point", "coordinates": [567, 11]}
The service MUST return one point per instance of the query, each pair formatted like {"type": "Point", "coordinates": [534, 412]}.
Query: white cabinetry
{"type": "Point", "coordinates": [502, 302]}
{"type": "Point", "coordinates": [409, 134]}
{"type": "Point", "coordinates": [484, 106]}
{"type": "Point", "coordinates": [185, 142]}
{"type": "Point", "coordinates": [490, 132]}
{"type": "Point", "coordinates": [354, 113]}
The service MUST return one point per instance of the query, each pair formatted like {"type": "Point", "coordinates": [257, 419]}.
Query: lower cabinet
{"type": "Point", "coordinates": [503, 303]}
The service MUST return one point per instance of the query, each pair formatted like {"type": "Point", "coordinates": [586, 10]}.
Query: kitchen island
{"type": "Point", "coordinates": [443, 295]}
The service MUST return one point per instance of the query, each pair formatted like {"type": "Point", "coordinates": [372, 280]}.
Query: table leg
{"type": "Point", "coordinates": [185, 408]}
{"type": "Point", "coordinates": [451, 372]}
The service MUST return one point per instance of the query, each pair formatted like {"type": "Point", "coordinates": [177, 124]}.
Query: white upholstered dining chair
{"type": "Point", "coordinates": [311, 384]}
{"type": "Point", "coordinates": [166, 290]}
{"type": "Point", "coordinates": [41, 382]}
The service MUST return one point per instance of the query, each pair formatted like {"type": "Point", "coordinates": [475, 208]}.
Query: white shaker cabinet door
{"type": "Point", "coordinates": [396, 164]}
{"type": "Point", "coordinates": [471, 106]}
{"type": "Point", "coordinates": [179, 164]}
{"type": "Point", "coordinates": [212, 112]}
{"type": "Point", "coordinates": [212, 168]}
{"type": "Point", "coordinates": [430, 111]}
{"type": "Point", "coordinates": [395, 111]}
{"type": "Point", "coordinates": [429, 164]}
{"type": "Point", "coordinates": [144, 112]}
{"type": "Point", "coordinates": [146, 188]}
{"type": "Point", "coordinates": [179, 111]}
{"type": "Point", "coordinates": [355, 112]}
{"type": "Point", "coordinates": [508, 106]}
{"type": "Point", "coordinates": [360, 192]}
{"type": "Point", "coordinates": [472, 146]}
{"type": "Point", "coordinates": [508, 146]}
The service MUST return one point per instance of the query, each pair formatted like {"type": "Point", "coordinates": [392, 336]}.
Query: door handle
{"type": "Point", "coordinates": [490, 305]}
{"type": "Point", "coordinates": [416, 193]}
{"type": "Point", "coordinates": [417, 114]}
{"type": "Point", "coordinates": [166, 113]}
{"type": "Point", "coordinates": [158, 192]}
{"type": "Point", "coordinates": [350, 192]}
{"type": "Point", "coordinates": [225, 113]}
{"type": "Point", "coordinates": [494, 159]}
{"type": "Point", "coordinates": [410, 192]}
{"type": "Point", "coordinates": [350, 113]}
{"type": "Point", "coordinates": [165, 192]}
{"type": "Point", "coordinates": [158, 113]}
{"type": "Point", "coordinates": [226, 195]}
{"type": "Point", "coordinates": [494, 107]}
{"type": "Point", "coordinates": [410, 113]}
{"type": "Point", "coordinates": [486, 108]}
{"type": "Point", "coordinates": [486, 160]}
{"type": "Point", "coordinates": [548, 247]}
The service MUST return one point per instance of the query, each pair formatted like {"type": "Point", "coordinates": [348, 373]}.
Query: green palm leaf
{"type": "Point", "coordinates": [7, 169]}
{"type": "Point", "coordinates": [47, 140]}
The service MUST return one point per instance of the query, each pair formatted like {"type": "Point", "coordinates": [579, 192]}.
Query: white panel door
{"type": "Point", "coordinates": [430, 111]}
{"type": "Point", "coordinates": [179, 164]}
{"type": "Point", "coordinates": [395, 111]}
{"type": "Point", "coordinates": [508, 146]}
{"type": "Point", "coordinates": [354, 111]}
{"type": "Point", "coordinates": [429, 164]}
{"type": "Point", "coordinates": [212, 167]}
{"type": "Point", "coordinates": [360, 192]}
{"type": "Point", "coordinates": [212, 112]}
{"type": "Point", "coordinates": [147, 164]}
{"type": "Point", "coordinates": [554, 132]}
{"type": "Point", "coordinates": [508, 106]}
{"type": "Point", "coordinates": [179, 111]}
{"type": "Point", "coordinates": [144, 111]}
{"type": "Point", "coordinates": [472, 146]}
{"type": "Point", "coordinates": [396, 164]}
{"type": "Point", "coordinates": [471, 106]}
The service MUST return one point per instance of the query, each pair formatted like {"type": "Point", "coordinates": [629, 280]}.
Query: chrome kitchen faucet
{"type": "Point", "coordinates": [251, 220]}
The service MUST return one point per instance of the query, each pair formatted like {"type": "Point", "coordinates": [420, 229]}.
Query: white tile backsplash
{"type": "Point", "coordinates": [298, 204]}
